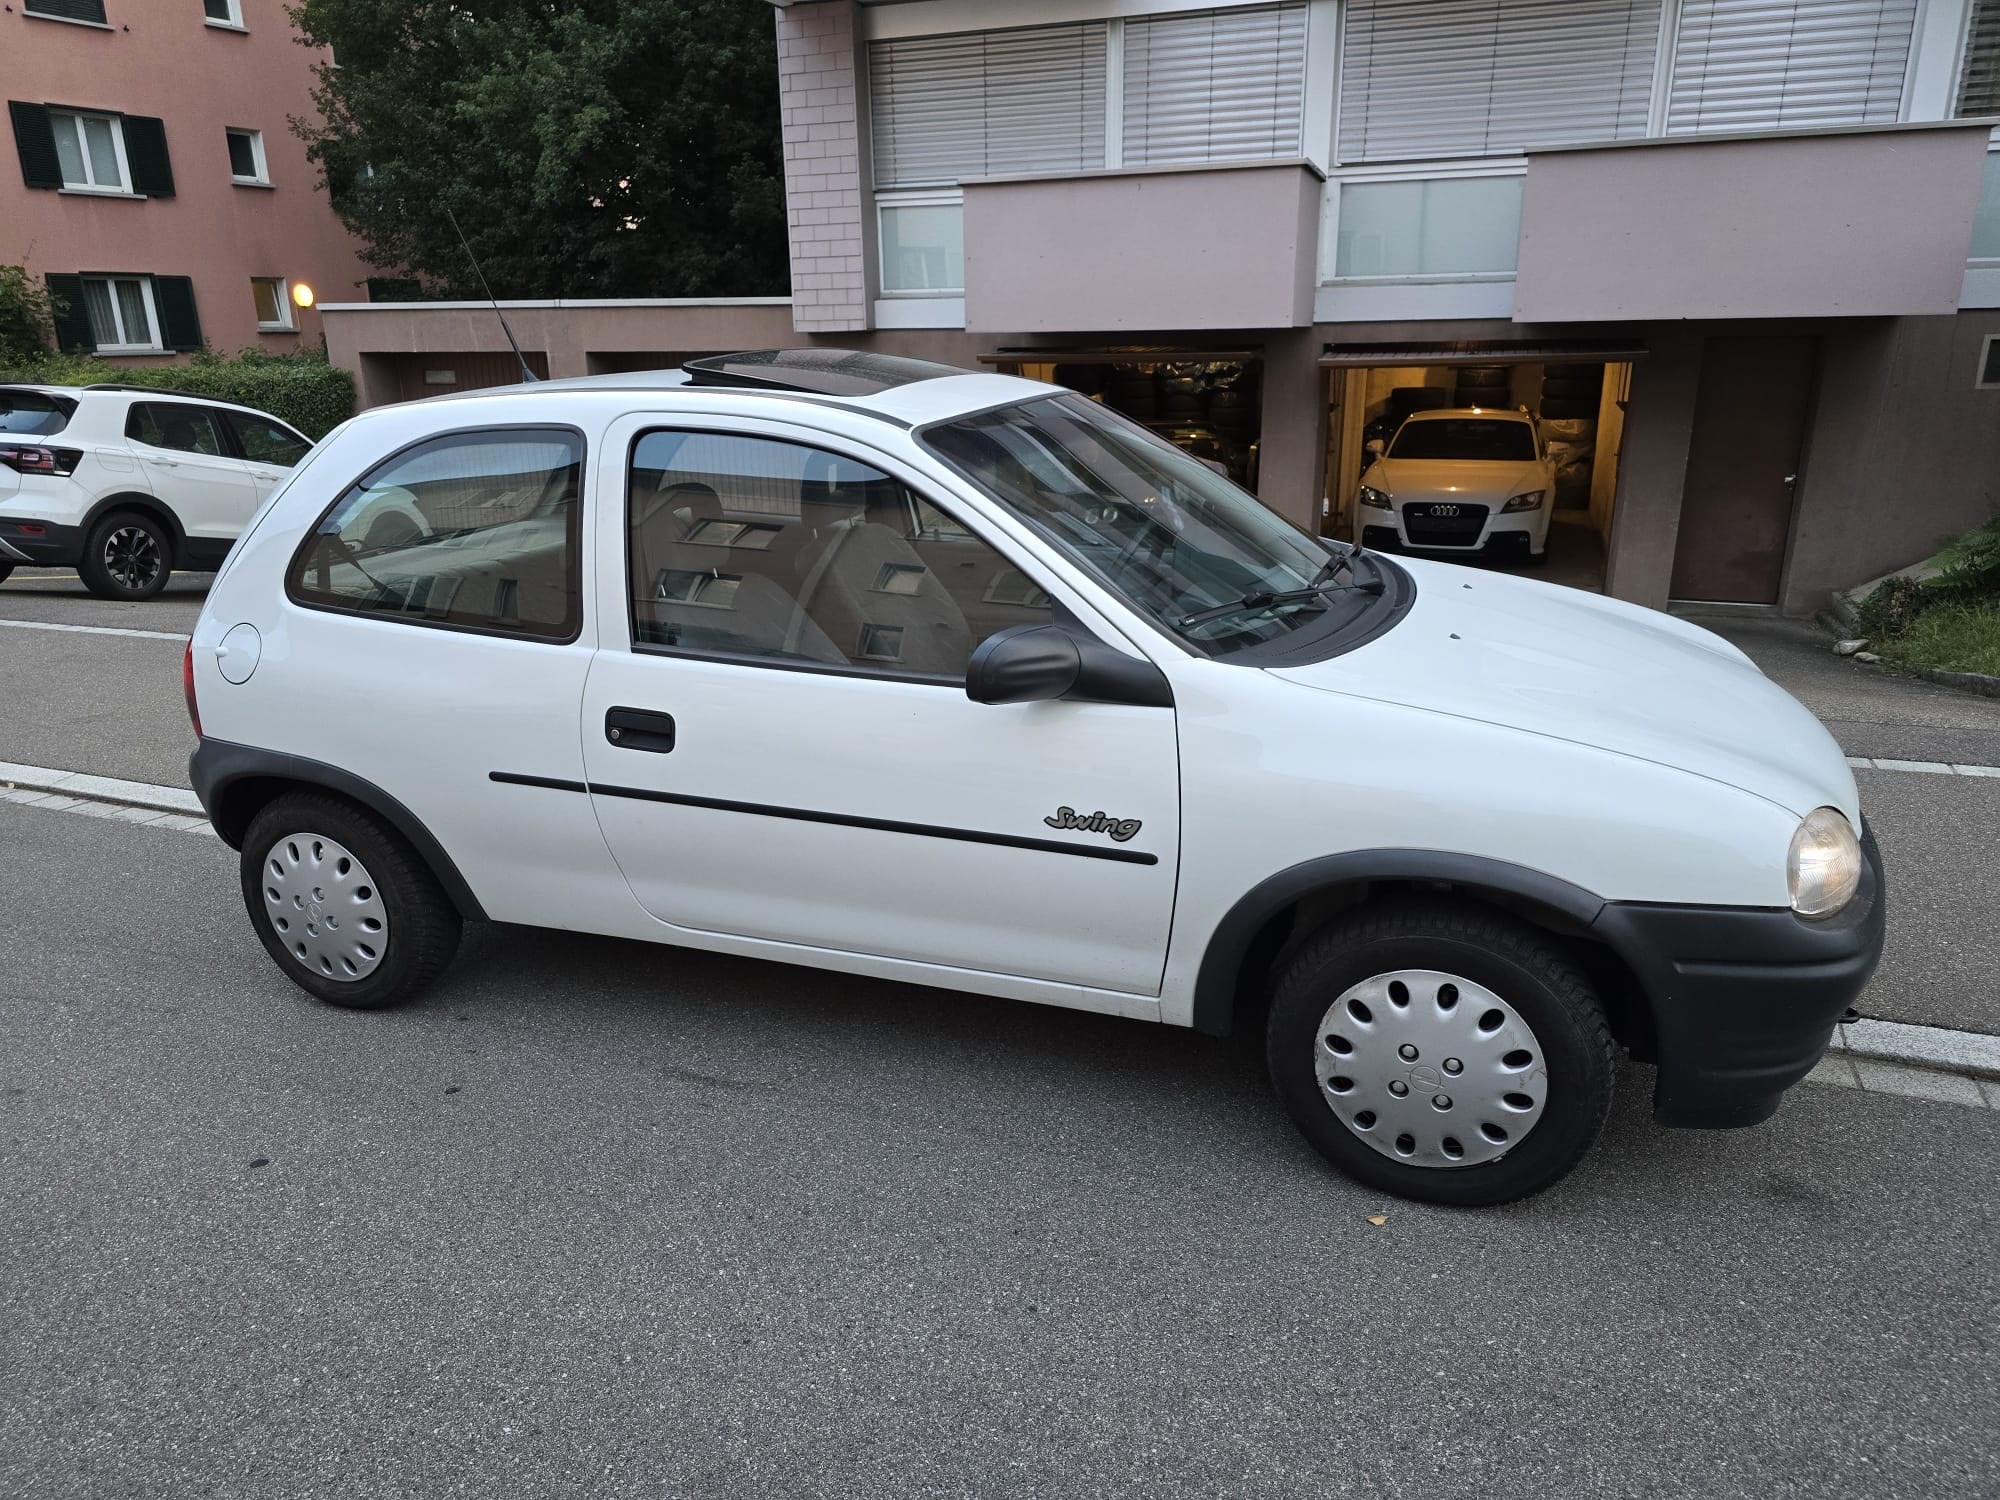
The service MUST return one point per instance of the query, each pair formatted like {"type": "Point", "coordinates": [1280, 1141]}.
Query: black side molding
{"type": "Point", "coordinates": [221, 771]}
{"type": "Point", "coordinates": [1215, 990]}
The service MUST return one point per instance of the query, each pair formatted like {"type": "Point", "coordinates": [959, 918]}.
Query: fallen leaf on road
{"type": "Point", "coordinates": [1378, 1218]}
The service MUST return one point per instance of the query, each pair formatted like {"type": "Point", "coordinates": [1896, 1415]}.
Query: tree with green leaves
{"type": "Point", "coordinates": [588, 148]}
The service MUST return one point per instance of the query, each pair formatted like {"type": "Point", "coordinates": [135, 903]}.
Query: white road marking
{"type": "Point", "coordinates": [1924, 767]}
{"type": "Point", "coordinates": [144, 635]}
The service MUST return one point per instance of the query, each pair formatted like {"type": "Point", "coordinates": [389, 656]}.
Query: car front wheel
{"type": "Point", "coordinates": [343, 904]}
{"type": "Point", "coordinates": [1440, 1051]}
{"type": "Point", "coordinates": [128, 556]}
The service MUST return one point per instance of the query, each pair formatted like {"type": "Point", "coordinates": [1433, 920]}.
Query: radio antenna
{"type": "Point", "coordinates": [528, 376]}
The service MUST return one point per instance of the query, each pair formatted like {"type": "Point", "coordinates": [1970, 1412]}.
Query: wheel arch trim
{"type": "Point", "coordinates": [1216, 987]}
{"type": "Point", "coordinates": [152, 505]}
{"type": "Point", "coordinates": [219, 768]}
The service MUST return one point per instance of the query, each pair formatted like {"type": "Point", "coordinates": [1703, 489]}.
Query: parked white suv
{"type": "Point", "coordinates": [127, 483]}
{"type": "Point", "coordinates": [1460, 480]}
{"type": "Point", "coordinates": [872, 665]}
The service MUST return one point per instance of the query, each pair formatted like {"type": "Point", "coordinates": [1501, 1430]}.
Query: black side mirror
{"type": "Point", "coordinates": [1041, 663]}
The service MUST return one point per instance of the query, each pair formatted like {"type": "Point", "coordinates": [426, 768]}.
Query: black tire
{"type": "Point", "coordinates": [1568, 408]}
{"type": "Point", "coordinates": [128, 556]}
{"type": "Point", "coordinates": [423, 927]}
{"type": "Point", "coordinates": [1513, 960]}
{"type": "Point", "coordinates": [1485, 378]}
{"type": "Point", "coordinates": [1574, 386]}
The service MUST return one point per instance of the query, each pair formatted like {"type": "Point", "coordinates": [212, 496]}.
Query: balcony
{"type": "Point", "coordinates": [1869, 222]}
{"type": "Point", "coordinates": [1154, 249]}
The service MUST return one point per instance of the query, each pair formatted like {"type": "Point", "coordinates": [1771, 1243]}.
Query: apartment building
{"type": "Point", "coordinates": [1740, 257]}
{"type": "Point", "coordinates": [160, 191]}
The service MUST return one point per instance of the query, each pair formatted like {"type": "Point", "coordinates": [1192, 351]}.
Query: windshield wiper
{"type": "Point", "coordinates": [1321, 586]}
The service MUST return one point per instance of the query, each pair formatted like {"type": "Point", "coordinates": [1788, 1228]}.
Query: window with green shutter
{"type": "Point", "coordinates": [1979, 83]}
{"type": "Point", "coordinates": [66, 10]}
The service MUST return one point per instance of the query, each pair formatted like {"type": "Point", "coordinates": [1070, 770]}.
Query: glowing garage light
{"type": "Point", "coordinates": [302, 294]}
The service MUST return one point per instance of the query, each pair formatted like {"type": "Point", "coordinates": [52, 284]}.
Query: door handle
{"type": "Point", "coordinates": [167, 463]}
{"type": "Point", "coordinates": [639, 729]}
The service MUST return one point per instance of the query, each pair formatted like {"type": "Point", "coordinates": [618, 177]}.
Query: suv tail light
{"type": "Point", "coordinates": [187, 687]}
{"type": "Point", "coordinates": [34, 458]}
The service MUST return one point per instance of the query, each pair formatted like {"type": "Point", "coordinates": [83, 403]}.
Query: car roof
{"type": "Point", "coordinates": [1497, 413]}
{"type": "Point", "coordinates": [905, 392]}
{"type": "Point", "coordinates": [150, 392]}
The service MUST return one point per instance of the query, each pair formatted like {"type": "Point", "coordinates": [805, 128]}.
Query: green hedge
{"type": "Point", "coordinates": [302, 389]}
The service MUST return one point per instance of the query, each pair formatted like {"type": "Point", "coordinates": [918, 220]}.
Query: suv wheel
{"type": "Point", "coordinates": [1441, 1052]}
{"type": "Point", "coordinates": [128, 556]}
{"type": "Point", "coordinates": [343, 904]}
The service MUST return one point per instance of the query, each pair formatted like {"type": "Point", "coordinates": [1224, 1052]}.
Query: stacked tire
{"type": "Point", "coordinates": [1485, 385]}
{"type": "Point", "coordinates": [1571, 396]}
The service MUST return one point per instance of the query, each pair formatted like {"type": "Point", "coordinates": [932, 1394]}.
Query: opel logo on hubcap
{"type": "Point", "coordinates": [1423, 1078]}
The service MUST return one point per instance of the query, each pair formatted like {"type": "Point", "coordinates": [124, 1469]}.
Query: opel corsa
{"type": "Point", "coordinates": [888, 668]}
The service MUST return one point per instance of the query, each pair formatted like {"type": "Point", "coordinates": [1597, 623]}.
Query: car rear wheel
{"type": "Point", "coordinates": [1441, 1052]}
{"type": "Point", "coordinates": [342, 904]}
{"type": "Point", "coordinates": [128, 556]}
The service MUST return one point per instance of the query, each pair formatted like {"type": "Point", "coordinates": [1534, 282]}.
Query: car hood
{"type": "Point", "coordinates": [1471, 482]}
{"type": "Point", "coordinates": [1574, 666]}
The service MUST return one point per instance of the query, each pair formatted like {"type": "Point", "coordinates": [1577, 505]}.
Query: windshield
{"type": "Point", "coordinates": [1163, 529]}
{"type": "Point", "coordinates": [1477, 438]}
{"type": "Point", "coordinates": [32, 414]}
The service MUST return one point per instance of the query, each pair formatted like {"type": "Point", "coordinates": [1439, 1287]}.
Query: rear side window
{"type": "Point", "coordinates": [472, 531]}
{"type": "Point", "coordinates": [31, 414]}
{"type": "Point", "coordinates": [176, 425]}
{"type": "Point", "coordinates": [266, 442]}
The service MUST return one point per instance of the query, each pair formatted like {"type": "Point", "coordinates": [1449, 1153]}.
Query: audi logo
{"type": "Point", "coordinates": [1444, 510]}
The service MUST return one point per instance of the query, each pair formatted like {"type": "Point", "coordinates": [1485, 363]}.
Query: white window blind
{"type": "Point", "coordinates": [985, 103]}
{"type": "Point", "coordinates": [1425, 79]}
{"type": "Point", "coordinates": [1979, 84]}
{"type": "Point", "coordinates": [1788, 64]}
{"type": "Point", "coordinates": [1223, 85]}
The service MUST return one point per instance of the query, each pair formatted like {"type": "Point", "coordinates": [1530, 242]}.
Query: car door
{"type": "Point", "coordinates": [268, 448]}
{"type": "Point", "coordinates": [779, 745]}
{"type": "Point", "coordinates": [189, 462]}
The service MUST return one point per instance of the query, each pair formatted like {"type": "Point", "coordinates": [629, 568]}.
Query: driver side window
{"type": "Point", "coordinates": [760, 548]}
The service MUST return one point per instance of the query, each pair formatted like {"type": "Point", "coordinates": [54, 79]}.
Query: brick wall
{"type": "Point", "coordinates": [823, 193]}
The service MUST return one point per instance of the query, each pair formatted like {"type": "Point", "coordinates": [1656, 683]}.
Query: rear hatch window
{"type": "Point", "coordinates": [32, 414]}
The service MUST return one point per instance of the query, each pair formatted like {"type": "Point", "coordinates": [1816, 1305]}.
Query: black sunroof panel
{"type": "Point", "coordinates": [827, 372]}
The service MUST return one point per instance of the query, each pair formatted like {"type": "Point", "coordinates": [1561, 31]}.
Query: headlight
{"type": "Point", "coordinates": [1530, 501]}
{"type": "Point", "coordinates": [1824, 866]}
{"type": "Point", "coordinates": [1373, 498]}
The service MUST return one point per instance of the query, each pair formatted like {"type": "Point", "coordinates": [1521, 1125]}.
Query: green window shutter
{"type": "Point", "coordinates": [68, 10]}
{"type": "Point", "coordinates": [36, 141]}
{"type": "Point", "coordinates": [173, 299]}
{"type": "Point", "coordinates": [72, 319]}
{"type": "Point", "coordinates": [146, 154]}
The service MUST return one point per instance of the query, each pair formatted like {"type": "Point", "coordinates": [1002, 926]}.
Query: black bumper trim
{"type": "Point", "coordinates": [1744, 1000]}
{"type": "Point", "coordinates": [55, 546]}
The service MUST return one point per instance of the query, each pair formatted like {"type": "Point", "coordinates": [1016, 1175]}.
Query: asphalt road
{"type": "Point", "coordinates": [601, 1218]}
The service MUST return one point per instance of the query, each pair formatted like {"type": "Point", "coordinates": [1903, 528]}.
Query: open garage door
{"type": "Point", "coordinates": [1573, 394]}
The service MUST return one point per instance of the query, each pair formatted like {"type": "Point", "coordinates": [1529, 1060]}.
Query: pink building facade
{"type": "Point", "coordinates": [156, 184]}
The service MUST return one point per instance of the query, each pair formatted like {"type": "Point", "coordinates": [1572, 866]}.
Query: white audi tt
{"type": "Point", "coordinates": [1467, 480]}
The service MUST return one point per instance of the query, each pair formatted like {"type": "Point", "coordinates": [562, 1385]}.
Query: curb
{"type": "Point", "coordinates": [1937, 1049]}
{"type": "Point", "coordinates": [1965, 682]}
{"type": "Point", "coordinates": [110, 789]}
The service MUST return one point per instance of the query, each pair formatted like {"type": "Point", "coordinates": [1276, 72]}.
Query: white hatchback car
{"type": "Point", "coordinates": [883, 667]}
{"type": "Point", "coordinates": [125, 483]}
{"type": "Point", "coordinates": [1460, 480]}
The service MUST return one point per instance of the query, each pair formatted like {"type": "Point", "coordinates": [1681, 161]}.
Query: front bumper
{"type": "Point", "coordinates": [24, 541]}
{"type": "Point", "coordinates": [1744, 1000]}
{"type": "Point", "coordinates": [1497, 542]}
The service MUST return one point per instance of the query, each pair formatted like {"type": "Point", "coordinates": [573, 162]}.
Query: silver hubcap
{"type": "Point", "coordinates": [132, 557]}
{"type": "Point", "coordinates": [325, 907]}
{"type": "Point", "coordinates": [1430, 1069]}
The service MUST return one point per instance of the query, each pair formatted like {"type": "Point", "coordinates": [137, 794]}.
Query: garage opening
{"type": "Point", "coordinates": [1499, 455]}
{"type": "Point", "coordinates": [1208, 402]}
